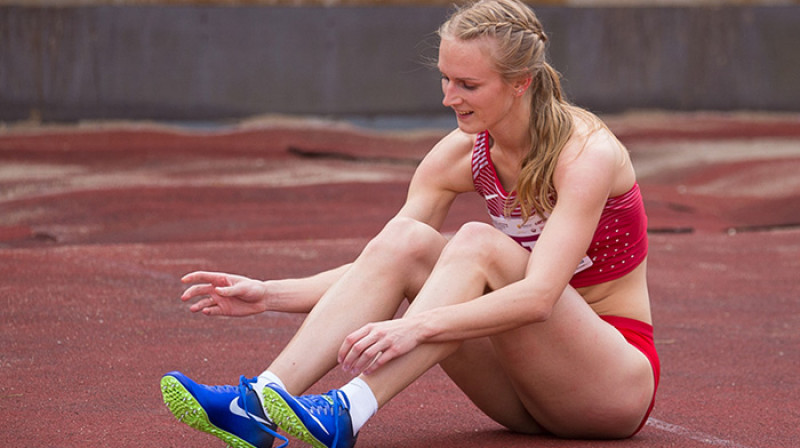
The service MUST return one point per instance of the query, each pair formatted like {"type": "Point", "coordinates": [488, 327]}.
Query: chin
{"type": "Point", "coordinates": [470, 128]}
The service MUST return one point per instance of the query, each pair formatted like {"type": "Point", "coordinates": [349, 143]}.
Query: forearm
{"type": "Point", "coordinates": [496, 312]}
{"type": "Point", "coordinates": [300, 295]}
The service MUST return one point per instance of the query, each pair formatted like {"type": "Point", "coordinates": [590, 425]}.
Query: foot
{"type": "Point", "coordinates": [323, 421]}
{"type": "Point", "coordinates": [233, 414]}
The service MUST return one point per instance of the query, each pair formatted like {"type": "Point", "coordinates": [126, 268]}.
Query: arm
{"type": "Point", "coordinates": [222, 294]}
{"type": "Point", "coordinates": [584, 181]}
{"type": "Point", "coordinates": [445, 172]}
{"type": "Point", "coordinates": [442, 175]}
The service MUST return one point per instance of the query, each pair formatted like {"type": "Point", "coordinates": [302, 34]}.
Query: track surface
{"type": "Point", "coordinates": [97, 224]}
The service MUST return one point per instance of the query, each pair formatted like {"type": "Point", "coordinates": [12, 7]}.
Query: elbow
{"type": "Point", "coordinates": [537, 299]}
{"type": "Point", "coordinates": [533, 313]}
{"type": "Point", "coordinates": [539, 310]}
{"type": "Point", "coordinates": [540, 313]}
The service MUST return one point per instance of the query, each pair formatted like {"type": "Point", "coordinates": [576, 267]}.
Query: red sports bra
{"type": "Point", "coordinates": [619, 244]}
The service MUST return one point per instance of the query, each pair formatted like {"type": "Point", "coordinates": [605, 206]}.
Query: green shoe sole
{"type": "Point", "coordinates": [281, 413]}
{"type": "Point", "coordinates": [187, 410]}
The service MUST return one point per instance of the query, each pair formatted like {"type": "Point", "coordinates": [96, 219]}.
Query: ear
{"type": "Point", "coordinates": [521, 85]}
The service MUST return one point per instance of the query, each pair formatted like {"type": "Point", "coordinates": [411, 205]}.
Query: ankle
{"type": "Point", "coordinates": [265, 378]}
{"type": "Point", "coordinates": [363, 404]}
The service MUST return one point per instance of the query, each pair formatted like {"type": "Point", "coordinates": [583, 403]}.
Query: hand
{"type": "Point", "coordinates": [375, 344]}
{"type": "Point", "coordinates": [224, 294]}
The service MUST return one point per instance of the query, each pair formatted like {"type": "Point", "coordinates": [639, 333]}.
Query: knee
{"type": "Point", "coordinates": [407, 240]}
{"type": "Point", "coordinates": [473, 241]}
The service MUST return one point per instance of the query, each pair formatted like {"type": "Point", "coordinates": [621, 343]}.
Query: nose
{"type": "Point", "coordinates": [451, 98]}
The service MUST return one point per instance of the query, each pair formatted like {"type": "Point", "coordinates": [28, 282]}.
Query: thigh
{"type": "Point", "coordinates": [474, 368]}
{"type": "Point", "coordinates": [481, 252]}
{"type": "Point", "coordinates": [573, 375]}
{"type": "Point", "coordinates": [576, 374]}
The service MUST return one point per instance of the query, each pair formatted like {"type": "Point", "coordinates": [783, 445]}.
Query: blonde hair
{"type": "Point", "coordinates": [519, 51]}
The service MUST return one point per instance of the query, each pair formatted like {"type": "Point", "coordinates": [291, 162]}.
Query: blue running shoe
{"type": "Point", "coordinates": [232, 414]}
{"type": "Point", "coordinates": [323, 421]}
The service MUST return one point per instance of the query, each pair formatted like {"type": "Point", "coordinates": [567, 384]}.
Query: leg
{"type": "Point", "coordinates": [477, 259]}
{"type": "Point", "coordinates": [474, 368]}
{"type": "Point", "coordinates": [393, 266]}
{"type": "Point", "coordinates": [324, 420]}
{"type": "Point", "coordinates": [586, 380]}
{"type": "Point", "coordinates": [573, 375]}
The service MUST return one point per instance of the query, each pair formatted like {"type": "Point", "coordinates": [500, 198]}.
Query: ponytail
{"type": "Point", "coordinates": [551, 126]}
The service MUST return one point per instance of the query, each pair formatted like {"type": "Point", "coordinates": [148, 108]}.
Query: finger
{"type": "Point", "coordinates": [214, 310]}
{"type": "Point", "coordinates": [367, 358]}
{"type": "Point", "coordinates": [222, 281]}
{"type": "Point", "coordinates": [193, 277]}
{"type": "Point", "coordinates": [202, 304]}
{"type": "Point", "coordinates": [201, 277]}
{"type": "Point", "coordinates": [349, 341]}
{"type": "Point", "coordinates": [376, 356]}
{"type": "Point", "coordinates": [197, 291]}
{"type": "Point", "coordinates": [232, 290]}
{"type": "Point", "coordinates": [362, 354]}
{"type": "Point", "coordinates": [380, 359]}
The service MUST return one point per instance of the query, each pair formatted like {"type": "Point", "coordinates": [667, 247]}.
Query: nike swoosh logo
{"type": "Point", "coordinates": [489, 197]}
{"type": "Point", "coordinates": [310, 414]}
{"type": "Point", "coordinates": [237, 410]}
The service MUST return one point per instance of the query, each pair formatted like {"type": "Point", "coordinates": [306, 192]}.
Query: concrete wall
{"type": "Point", "coordinates": [199, 62]}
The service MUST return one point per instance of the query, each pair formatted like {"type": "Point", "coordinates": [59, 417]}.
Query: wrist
{"type": "Point", "coordinates": [285, 296]}
{"type": "Point", "coordinates": [269, 291]}
{"type": "Point", "coordinates": [428, 326]}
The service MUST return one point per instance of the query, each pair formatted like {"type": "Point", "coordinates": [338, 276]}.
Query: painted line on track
{"type": "Point", "coordinates": [691, 434]}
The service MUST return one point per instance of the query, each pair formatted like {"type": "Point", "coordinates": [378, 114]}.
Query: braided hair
{"type": "Point", "coordinates": [519, 51]}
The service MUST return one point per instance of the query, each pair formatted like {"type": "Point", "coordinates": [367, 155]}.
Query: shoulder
{"type": "Point", "coordinates": [455, 144]}
{"type": "Point", "coordinates": [592, 159]}
{"type": "Point", "coordinates": [450, 161]}
{"type": "Point", "coordinates": [592, 143]}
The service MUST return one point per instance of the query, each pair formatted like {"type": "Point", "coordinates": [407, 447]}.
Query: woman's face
{"type": "Point", "coordinates": [480, 97]}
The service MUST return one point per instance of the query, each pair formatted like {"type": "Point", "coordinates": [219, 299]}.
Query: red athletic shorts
{"type": "Point", "coordinates": [640, 335]}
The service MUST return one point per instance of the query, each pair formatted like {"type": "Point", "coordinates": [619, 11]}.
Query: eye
{"type": "Point", "coordinates": [463, 84]}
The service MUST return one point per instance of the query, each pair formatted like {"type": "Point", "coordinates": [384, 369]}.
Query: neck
{"type": "Point", "coordinates": [512, 136]}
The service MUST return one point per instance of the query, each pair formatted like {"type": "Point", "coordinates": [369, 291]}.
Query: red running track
{"type": "Point", "coordinates": [97, 224]}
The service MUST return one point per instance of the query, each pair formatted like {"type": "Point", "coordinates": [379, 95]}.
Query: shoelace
{"type": "Point", "coordinates": [245, 385]}
{"type": "Point", "coordinates": [334, 402]}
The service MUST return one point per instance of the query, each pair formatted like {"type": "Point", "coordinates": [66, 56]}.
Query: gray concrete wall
{"type": "Point", "coordinates": [207, 62]}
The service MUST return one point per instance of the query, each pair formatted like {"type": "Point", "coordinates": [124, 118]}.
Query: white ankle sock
{"type": "Point", "coordinates": [363, 404]}
{"type": "Point", "coordinates": [265, 378]}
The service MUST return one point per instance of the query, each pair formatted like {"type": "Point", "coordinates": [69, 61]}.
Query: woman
{"type": "Point", "coordinates": [554, 339]}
